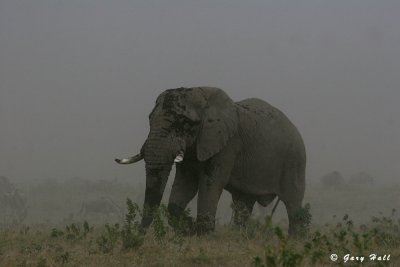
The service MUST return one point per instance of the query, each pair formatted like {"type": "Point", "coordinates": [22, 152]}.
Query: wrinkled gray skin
{"type": "Point", "coordinates": [248, 148]}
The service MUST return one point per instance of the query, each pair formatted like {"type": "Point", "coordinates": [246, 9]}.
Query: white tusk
{"type": "Point", "coordinates": [179, 157]}
{"type": "Point", "coordinates": [130, 160]}
{"type": "Point", "coordinates": [124, 161]}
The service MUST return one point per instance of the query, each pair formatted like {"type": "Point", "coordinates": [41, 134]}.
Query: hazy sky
{"type": "Point", "coordinates": [79, 77]}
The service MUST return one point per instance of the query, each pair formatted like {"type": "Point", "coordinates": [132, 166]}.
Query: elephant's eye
{"type": "Point", "coordinates": [179, 122]}
{"type": "Point", "coordinates": [182, 123]}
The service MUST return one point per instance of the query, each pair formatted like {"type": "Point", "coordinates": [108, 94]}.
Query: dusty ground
{"type": "Point", "coordinates": [54, 235]}
{"type": "Point", "coordinates": [260, 244]}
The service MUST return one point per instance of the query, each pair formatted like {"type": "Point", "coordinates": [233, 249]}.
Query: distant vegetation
{"type": "Point", "coordinates": [52, 201]}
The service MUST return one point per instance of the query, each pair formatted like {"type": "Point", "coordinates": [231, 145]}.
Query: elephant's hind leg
{"type": "Point", "coordinates": [295, 224]}
{"type": "Point", "coordinates": [242, 208]}
{"type": "Point", "coordinates": [292, 193]}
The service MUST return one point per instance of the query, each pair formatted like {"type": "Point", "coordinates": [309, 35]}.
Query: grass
{"type": "Point", "coordinates": [261, 243]}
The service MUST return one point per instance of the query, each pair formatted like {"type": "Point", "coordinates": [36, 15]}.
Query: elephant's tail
{"type": "Point", "coordinates": [276, 205]}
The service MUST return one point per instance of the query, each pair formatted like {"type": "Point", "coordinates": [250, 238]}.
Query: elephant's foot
{"type": "Point", "coordinates": [205, 225]}
{"type": "Point", "coordinates": [240, 218]}
{"type": "Point", "coordinates": [294, 230]}
{"type": "Point", "coordinates": [299, 222]}
{"type": "Point", "coordinates": [180, 221]}
{"type": "Point", "coordinates": [183, 225]}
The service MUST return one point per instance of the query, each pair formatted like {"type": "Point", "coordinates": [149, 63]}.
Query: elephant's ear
{"type": "Point", "coordinates": [219, 124]}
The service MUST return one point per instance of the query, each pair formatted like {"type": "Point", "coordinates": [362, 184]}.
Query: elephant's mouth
{"type": "Point", "coordinates": [179, 157]}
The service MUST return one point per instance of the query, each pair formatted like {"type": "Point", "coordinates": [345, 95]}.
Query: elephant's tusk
{"type": "Point", "coordinates": [130, 160]}
{"type": "Point", "coordinates": [179, 157]}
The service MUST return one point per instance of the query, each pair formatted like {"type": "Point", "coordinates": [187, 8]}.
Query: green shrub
{"type": "Point", "coordinates": [284, 254]}
{"type": "Point", "coordinates": [72, 231]}
{"type": "Point", "coordinates": [303, 217]}
{"type": "Point", "coordinates": [160, 230]}
{"type": "Point", "coordinates": [106, 242]}
{"type": "Point", "coordinates": [132, 232]}
{"type": "Point", "coordinates": [56, 233]}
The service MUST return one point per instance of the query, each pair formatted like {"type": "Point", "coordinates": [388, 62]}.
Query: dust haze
{"type": "Point", "coordinates": [79, 78]}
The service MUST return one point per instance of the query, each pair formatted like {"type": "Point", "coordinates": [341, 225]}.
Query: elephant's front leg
{"type": "Point", "coordinates": [211, 185]}
{"type": "Point", "coordinates": [183, 191]}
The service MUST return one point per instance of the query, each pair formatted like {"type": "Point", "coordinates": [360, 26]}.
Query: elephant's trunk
{"type": "Point", "coordinates": [159, 153]}
{"type": "Point", "coordinates": [156, 179]}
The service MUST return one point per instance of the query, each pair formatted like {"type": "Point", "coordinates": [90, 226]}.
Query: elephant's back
{"type": "Point", "coordinates": [268, 119]}
{"type": "Point", "coordinates": [268, 123]}
{"type": "Point", "coordinates": [261, 108]}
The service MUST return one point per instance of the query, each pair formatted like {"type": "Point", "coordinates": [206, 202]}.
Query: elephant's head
{"type": "Point", "coordinates": [192, 122]}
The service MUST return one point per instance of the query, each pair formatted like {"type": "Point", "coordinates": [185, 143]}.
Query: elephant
{"type": "Point", "coordinates": [333, 180]}
{"type": "Point", "coordinates": [361, 179]}
{"type": "Point", "coordinates": [249, 148]}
